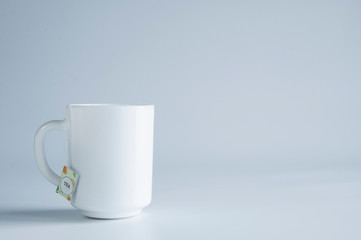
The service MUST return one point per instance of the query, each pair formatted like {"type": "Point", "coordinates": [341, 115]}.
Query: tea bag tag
{"type": "Point", "coordinates": [67, 183]}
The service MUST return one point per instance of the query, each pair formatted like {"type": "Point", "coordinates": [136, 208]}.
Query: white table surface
{"type": "Point", "coordinates": [199, 202]}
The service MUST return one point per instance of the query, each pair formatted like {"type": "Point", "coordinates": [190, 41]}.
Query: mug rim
{"type": "Point", "coordinates": [107, 105]}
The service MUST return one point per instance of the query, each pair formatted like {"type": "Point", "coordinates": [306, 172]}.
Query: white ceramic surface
{"type": "Point", "coordinates": [111, 148]}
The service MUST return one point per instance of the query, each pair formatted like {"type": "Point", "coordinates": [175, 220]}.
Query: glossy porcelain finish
{"type": "Point", "coordinates": [111, 148]}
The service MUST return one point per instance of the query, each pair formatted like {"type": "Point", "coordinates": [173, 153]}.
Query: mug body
{"type": "Point", "coordinates": [111, 148]}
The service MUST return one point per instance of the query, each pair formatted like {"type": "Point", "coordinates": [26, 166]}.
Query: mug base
{"type": "Point", "coordinates": [112, 215]}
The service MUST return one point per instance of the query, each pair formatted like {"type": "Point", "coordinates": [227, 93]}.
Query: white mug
{"type": "Point", "coordinates": [111, 149]}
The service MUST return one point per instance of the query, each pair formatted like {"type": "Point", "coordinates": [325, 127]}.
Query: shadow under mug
{"type": "Point", "coordinates": [111, 149]}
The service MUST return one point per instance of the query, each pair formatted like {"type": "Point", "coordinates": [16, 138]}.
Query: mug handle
{"type": "Point", "coordinates": [40, 151]}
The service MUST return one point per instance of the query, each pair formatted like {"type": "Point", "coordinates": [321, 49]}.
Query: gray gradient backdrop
{"type": "Point", "coordinates": [251, 81]}
{"type": "Point", "coordinates": [250, 86]}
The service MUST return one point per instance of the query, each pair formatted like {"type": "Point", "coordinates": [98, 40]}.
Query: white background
{"type": "Point", "coordinates": [257, 129]}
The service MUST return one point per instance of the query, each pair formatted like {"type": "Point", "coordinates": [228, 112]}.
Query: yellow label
{"type": "Point", "coordinates": [67, 183]}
